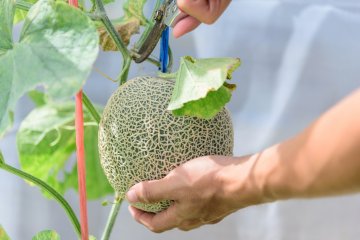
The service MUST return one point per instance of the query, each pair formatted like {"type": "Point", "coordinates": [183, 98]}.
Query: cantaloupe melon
{"type": "Point", "coordinates": [140, 140]}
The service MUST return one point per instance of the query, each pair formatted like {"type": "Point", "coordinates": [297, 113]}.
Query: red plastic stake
{"type": "Point", "coordinates": [74, 3]}
{"type": "Point", "coordinates": [79, 125]}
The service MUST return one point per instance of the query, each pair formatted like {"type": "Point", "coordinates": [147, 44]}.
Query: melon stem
{"type": "Point", "coordinates": [112, 219]}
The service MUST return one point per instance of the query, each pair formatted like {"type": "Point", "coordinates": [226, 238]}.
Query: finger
{"type": "Point", "coordinates": [203, 10]}
{"type": "Point", "coordinates": [185, 25]}
{"type": "Point", "coordinates": [152, 191]}
{"type": "Point", "coordinates": [158, 222]}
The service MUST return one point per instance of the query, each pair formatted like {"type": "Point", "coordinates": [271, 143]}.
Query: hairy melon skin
{"type": "Point", "coordinates": [140, 140]}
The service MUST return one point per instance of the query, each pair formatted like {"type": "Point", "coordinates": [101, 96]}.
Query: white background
{"type": "Point", "coordinates": [299, 58]}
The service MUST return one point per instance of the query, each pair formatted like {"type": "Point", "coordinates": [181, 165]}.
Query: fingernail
{"type": "Point", "coordinates": [131, 196]}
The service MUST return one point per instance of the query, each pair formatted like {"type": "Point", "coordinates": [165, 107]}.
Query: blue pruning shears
{"type": "Point", "coordinates": [167, 15]}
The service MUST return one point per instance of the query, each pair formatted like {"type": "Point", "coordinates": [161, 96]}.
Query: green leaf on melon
{"type": "Point", "coordinates": [201, 89]}
{"type": "Point", "coordinates": [58, 46]}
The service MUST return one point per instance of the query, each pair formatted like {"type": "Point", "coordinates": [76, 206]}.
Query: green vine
{"type": "Point", "coordinates": [44, 186]}
{"type": "Point", "coordinates": [91, 108]}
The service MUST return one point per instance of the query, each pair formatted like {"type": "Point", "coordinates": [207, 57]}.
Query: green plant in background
{"type": "Point", "coordinates": [57, 49]}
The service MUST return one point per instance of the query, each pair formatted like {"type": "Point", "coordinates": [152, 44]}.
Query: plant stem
{"type": "Point", "coordinates": [171, 60]}
{"type": "Point", "coordinates": [168, 75]}
{"type": "Point", "coordinates": [153, 61]}
{"type": "Point", "coordinates": [125, 70]}
{"type": "Point", "coordinates": [100, 10]}
{"type": "Point", "coordinates": [2, 161]}
{"type": "Point", "coordinates": [111, 29]}
{"type": "Point", "coordinates": [91, 108]}
{"type": "Point", "coordinates": [111, 220]}
{"type": "Point", "coordinates": [44, 186]}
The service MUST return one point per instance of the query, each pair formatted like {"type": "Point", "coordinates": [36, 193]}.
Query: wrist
{"type": "Point", "coordinates": [270, 175]}
{"type": "Point", "coordinates": [242, 182]}
{"type": "Point", "coordinates": [279, 172]}
{"type": "Point", "coordinates": [257, 179]}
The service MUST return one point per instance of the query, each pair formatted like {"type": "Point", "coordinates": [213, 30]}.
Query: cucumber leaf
{"type": "Point", "coordinates": [58, 46]}
{"type": "Point", "coordinates": [201, 89]}
{"type": "Point", "coordinates": [3, 234]}
{"type": "Point", "coordinates": [46, 235]}
{"type": "Point", "coordinates": [46, 141]}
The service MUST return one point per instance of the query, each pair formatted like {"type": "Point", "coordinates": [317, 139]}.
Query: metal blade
{"type": "Point", "coordinates": [167, 15]}
{"type": "Point", "coordinates": [173, 14]}
{"type": "Point", "coordinates": [150, 42]}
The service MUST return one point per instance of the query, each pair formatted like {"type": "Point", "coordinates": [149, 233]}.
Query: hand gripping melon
{"type": "Point", "coordinates": [140, 140]}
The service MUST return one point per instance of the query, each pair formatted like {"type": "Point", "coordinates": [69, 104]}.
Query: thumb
{"type": "Point", "coordinates": [185, 25]}
{"type": "Point", "coordinates": [151, 191]}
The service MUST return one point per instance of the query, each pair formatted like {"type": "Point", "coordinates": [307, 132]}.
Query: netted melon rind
{"type": "Point", "coordinates": [140, 140]}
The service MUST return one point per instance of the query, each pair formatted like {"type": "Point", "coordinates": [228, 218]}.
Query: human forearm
{"type": "Point", "coordinates": [323, 160]}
